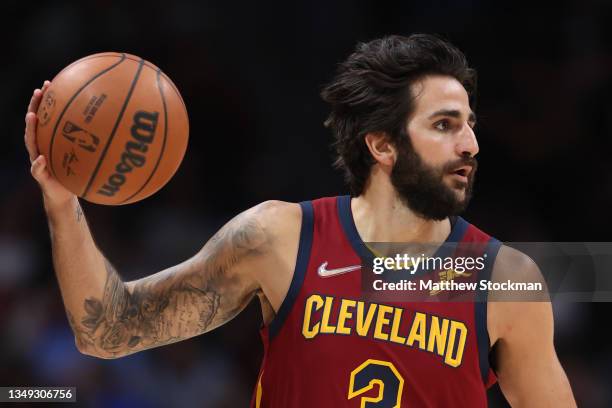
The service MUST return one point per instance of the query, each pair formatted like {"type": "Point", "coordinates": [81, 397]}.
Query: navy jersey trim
{"type": "Point", "coordinates": [350, 230]}
{"type": "Point", "coordinates": [458, 230]}
{"type": "Point", "coordinates": [480, 311]}
{"type": "Point", "coordinates": [301, 264]}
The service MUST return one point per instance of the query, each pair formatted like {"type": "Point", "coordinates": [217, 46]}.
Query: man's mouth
{"type": "Point", "coordinates": [461, 174]}
{"type": "Point", "coordinates": [463, 171]}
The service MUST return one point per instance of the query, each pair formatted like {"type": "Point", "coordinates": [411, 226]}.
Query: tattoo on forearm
{"type": "Point", "coordinates": [83, 338]}
{"type": "Point", "coordinates": [168, 307]}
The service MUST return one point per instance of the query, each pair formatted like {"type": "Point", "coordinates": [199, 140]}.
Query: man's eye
{"type": "Point", "coordinates": [442, 125]}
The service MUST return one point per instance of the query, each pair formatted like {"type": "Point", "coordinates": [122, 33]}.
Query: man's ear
{"type": "Point", "coordinates": [381, 148]}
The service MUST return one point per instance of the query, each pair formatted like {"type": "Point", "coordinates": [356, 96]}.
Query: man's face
{"type": "Point", "coordinates": [435, 167]}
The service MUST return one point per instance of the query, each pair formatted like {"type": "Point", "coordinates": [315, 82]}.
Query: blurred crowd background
{"type": "Point", "coordinates": [250, 74]}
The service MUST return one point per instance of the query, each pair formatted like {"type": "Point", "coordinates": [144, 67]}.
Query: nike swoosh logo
{"type": "Point", "coordinates": [326, 273]}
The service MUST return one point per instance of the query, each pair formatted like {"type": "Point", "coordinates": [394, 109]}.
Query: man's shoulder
{"type": "Point", "coordinates": [277, 218]}
{"type": "Point", "coordinates": [515, 265]}
{"type": "Point", "coordinates": [276, 210]}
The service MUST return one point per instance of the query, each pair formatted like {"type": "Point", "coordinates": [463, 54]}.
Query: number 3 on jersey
{"type": "Point", "coordinates": [376, 372]}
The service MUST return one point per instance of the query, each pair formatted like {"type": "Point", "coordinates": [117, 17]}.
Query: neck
{"type": "Point", "coordinates": [380, 216]}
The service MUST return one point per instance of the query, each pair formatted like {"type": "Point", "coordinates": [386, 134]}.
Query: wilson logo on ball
{"type": "Point", "coordinates": [143, 132]}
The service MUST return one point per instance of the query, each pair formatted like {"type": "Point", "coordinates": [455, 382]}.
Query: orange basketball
{"type": "Point", "coordinates": [113, 128]}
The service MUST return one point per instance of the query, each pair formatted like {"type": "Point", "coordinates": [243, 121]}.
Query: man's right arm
{"type": "Point", "coordinates": [112, 318]}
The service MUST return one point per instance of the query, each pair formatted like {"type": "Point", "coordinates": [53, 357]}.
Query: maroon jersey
{"type": "Point", "coordinates": [329, 346]}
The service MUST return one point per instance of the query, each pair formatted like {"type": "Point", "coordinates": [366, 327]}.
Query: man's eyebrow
{"type": "Point", "coordinates": [452, 113]}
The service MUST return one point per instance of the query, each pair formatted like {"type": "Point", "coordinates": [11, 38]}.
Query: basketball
{"type": "Point", "coordinates": [113, 127]}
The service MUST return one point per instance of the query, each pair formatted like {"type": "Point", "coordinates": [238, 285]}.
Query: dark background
{"type": "Point", "coordinates": [250, 75]}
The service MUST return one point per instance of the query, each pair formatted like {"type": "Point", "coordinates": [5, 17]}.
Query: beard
{"type": "Point", "coordinates": [422, 188]}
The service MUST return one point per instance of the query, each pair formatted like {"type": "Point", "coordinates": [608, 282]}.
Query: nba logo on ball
{"type": "Point", "coordinates": [113, 127]}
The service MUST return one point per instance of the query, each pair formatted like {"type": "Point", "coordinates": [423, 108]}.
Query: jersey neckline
{"type": "Point", "coordinates": [345, 214]}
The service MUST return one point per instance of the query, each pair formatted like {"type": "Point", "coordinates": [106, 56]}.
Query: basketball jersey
{"type": "Point", "coordinates": [328, 347]}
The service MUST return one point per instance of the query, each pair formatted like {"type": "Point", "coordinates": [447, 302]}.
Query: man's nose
{"type": "Point", "coordinates": [467, 144]}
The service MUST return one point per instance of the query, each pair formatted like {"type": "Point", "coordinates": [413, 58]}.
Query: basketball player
{"type": "Point", "coordinates": [404, 134]}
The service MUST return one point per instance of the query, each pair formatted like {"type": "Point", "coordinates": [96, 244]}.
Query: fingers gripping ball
{"type": "Point", "coordinates": [113, 128]}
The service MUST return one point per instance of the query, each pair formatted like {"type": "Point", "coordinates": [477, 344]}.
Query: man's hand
{"type": "Point", "coordinates": [54, 193]}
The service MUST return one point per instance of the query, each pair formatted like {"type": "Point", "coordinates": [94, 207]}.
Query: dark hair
{"type": "Point", "coordinates": [371, 93]}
